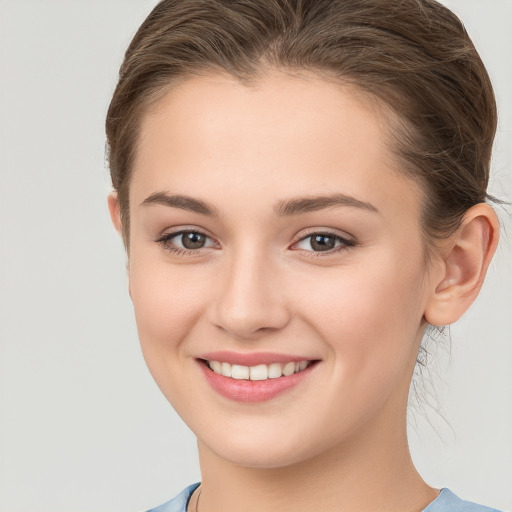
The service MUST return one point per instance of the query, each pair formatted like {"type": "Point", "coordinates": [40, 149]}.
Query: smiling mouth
{"type": "Point", "coordinates": [259, 372]}
{"type": "Point", "coordinates": [264, 380]}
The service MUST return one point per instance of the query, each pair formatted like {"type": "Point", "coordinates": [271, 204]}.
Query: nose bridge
{"type": "Point", "coordinates": [250, 300]}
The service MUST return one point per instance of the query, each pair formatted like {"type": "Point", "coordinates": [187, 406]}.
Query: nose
{"type": "Point", "coordinates": [250, 300]}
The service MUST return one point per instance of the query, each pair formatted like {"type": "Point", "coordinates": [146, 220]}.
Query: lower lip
{"type": "Point", "coordinates": [241, 390]}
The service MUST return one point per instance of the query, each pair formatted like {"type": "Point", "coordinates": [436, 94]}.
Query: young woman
{"type": "Point", "coordinates": [301, 188]}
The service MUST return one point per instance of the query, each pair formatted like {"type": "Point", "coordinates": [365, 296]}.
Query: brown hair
{"type": "Point", "coordinates": [413, 56]}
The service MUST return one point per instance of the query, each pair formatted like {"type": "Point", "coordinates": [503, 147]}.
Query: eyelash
{"type": "Point", "coordinates": [165, 242]}
{"type": "Point", "coordinates": [345, 243]}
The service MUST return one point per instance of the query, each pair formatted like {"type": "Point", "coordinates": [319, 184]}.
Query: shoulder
{"type": "Point", "coordinates": [447, 501]}
{"type": "Point", "coordinates": [179, 503]}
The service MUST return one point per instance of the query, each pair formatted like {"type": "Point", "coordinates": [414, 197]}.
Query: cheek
{"type": "Point", "coordinates": [371, 324]}
{"type": "Point", "coordinates": [371, 316]}
{"type": "Point", "coordinates": [168, 303]}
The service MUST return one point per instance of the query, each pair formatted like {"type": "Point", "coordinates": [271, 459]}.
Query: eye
{"type": "Point", "coordinates": [185, 241]}
{"type": "Point", "coordinates": [324, 242]}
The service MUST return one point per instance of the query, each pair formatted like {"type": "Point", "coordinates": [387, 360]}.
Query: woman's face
{"type": "Point", "coordinates": [269, 227]}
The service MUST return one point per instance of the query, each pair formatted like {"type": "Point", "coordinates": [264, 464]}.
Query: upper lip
{"type": "Point", "coordinates": [252, 359]}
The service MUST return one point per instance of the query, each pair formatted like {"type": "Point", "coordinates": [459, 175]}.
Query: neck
{"type": "Point", "coordinates": [370, 470]}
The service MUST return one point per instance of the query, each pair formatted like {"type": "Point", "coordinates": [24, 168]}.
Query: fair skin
{"type": "Point", "coordinates": [260, 284]}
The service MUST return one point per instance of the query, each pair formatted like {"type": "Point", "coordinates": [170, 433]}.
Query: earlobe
{"type": "Point", "coordinates": [465, 261]}
{"type": "Point", "coordinates": [115, 214]}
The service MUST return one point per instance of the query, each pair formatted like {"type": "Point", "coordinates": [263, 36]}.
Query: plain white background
{"type": "Point", "coordinates": [83, 426]}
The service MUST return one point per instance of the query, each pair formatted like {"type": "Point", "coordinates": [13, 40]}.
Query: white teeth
{"type": "Point", "coordinates": [289, 369]}
{"type": "Point", "coordinates": [226, 369]}
{"type": "Point", "coordinates": [259, 372]}
{"type": "Point", "coordinates": [216, 366]}
{"type": "Point", "coordinates": [274, 370]}
{"type": "Point", "coordinates": [239, 372]}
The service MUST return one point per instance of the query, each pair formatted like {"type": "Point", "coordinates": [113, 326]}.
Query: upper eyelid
{"type": "Point", "coordinates": [345, 242]}
{"type": "Point", "coordinates": [166, 236]}
{"type": "Point", "coordinates": [175, 232]}
{"type": "Point", "coordinates": [327, 232]}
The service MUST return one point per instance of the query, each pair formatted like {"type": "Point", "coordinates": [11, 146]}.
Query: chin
{"type": "Point", "coordinates": [254, 458]}
{"type": "Point", "coordinates": [273, 451]}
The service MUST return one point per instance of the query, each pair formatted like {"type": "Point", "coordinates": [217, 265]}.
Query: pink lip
{"type": "Point", "coordinates": [250, 391]}
{"type": "Point", "coordinates": [252, 359]}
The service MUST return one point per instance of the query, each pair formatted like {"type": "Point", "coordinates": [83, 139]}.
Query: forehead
{"type": "Point", "coordinates": [283, 135]}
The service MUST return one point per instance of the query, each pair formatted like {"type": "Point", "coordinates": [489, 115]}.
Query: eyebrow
{"type": "Point", "coordinates": [313, 204]}
{"type": "Point", "coordinates": [180, 201]}
{"type": "Point", "coordinates": [282, 208]}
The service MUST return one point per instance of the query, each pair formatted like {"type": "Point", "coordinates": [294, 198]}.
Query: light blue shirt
{"type": "Point", "coordinates": [445, 502]}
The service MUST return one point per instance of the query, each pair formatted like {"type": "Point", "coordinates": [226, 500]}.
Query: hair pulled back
{"type": "Point", "coordinates": [413, 56]}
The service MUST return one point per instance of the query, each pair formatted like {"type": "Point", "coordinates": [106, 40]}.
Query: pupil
{"type": "Point", "coordinates": [193, 240]}
{"type": "Point", "coordinates": [322, 242]}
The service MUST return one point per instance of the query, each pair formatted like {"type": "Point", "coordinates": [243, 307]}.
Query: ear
{"type": "Point", "coordinates": [464, 262]}
{"type": "Point", "coordinates": [115, 214]}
